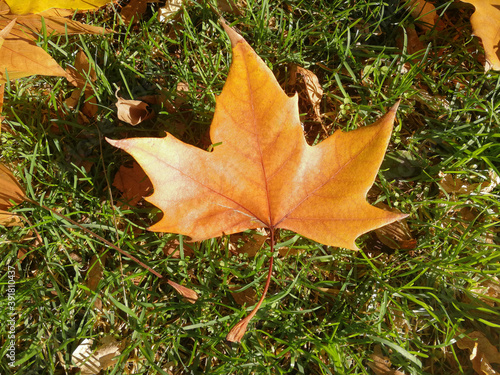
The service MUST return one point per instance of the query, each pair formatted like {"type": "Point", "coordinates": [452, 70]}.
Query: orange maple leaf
{"type": "Point", "coordinates": [262, 173]}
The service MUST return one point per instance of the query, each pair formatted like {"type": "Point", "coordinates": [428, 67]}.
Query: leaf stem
{"type": "Point", "coordinates": [237, 332]}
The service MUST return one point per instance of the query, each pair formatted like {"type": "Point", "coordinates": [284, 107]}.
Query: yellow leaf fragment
{"type": "Point", "coordinates": [37, 6]}
{"type": "Point", "coordinates": [485, 23]}
{"type": "Point", "coordinates": [4, 33]}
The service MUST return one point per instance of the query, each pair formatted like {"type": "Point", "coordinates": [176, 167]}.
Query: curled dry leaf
{"type": "Point", "coordinates": [90, 361]}
{"type": "Point", "coordinates": [451, 184]}
{"type": "Point", "coordinates": [132, 111]}
{"type": "Point", "coordinates": [486, 25]}
{"type": "Point", "coordinates": [11, 193]}
{"type": "Point", "coordinates": [483, 353]}
{"type": "Point", "coordinates": [167, 12]}
{"type": "Point", "coordinates": [187, 293]}
{"type": "Point", "coordinates": [488, 291]}
{"type": "Point", "coordinates": [313, 89]}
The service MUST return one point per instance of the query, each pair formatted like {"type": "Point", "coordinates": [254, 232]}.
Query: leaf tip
{"type": "Point", "coordinates": [233, 35]}
{"type": "Point", "coordinates": [112, 142]}
{"type": "Point", "coordinates": [395, 107]}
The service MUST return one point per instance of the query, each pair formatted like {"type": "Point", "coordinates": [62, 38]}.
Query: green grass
{"type": "Point", "coordinates": [328, 308]}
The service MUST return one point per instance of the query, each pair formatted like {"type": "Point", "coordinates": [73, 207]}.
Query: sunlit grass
{"type": "Point", "coordinates": [328, 309]}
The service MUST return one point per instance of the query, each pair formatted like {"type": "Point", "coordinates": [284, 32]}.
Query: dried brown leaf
{"type": "Point", "coordinates": [486, 25]}
{"type": "Point", "coordinates": [488, 290]}
{"type": "Point", "coordinates": [133, 183]}
{"type": "Point", "coordinates": [94, 276]}
{"type": "Point", "coordinates": [424, 12]}
{"type": "Point", "coordinates": [247, 296]}
{"type": "Point", "coordinates": [134, 10]}
{"type": "Point", "coordinates": [381, 365]}
{"type": "Point", "coordinates": [483, 353]}
{"type": "Point", "coordinates": [92, 362]}
{"type": "Point", "coordinates": [189, 294]}
{"type": "Point", "coordinates": [79, 75]}
{"type": "Point", "coordinates": [395, 235]}
{"type": "Point", "coordinates": [11, 192]}
{"type": "Point", "coordinates": [229, 6]}
{"type": "Point", "coordinates": [248, 243]}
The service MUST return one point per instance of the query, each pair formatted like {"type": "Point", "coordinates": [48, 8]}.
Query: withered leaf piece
{"type": "Point", "coordinates": [486, 25]}
{"type": "Point", "coordinates": [93, 361]}
{"type": "Point", "coordinates": [424, 12]}
{"type": "Point", "coordinates": [133, 183]}
{"type": "Point", "coordinates": [189, 294]}
{"type": "Point", "coordinates": [11, 193]}
{"type": "Point", "coordinates": [262, 173]}
{"type": "Point", "coordinates": [314, 90]}
{"type": "Point", "coordinates": [381, 365]}
{"type": "Point", "coordinates": [78, 76]}
{"type": "Point", "coordinates": [483, 353]}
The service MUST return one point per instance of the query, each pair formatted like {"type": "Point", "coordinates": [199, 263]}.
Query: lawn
{"type": "Point", "coordinates": [405, 306]}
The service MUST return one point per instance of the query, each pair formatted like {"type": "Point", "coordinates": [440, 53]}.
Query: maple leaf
{"type": "Point", "coordinates": [262, 173]}
{"type": "Point", "coordinates": [485, 23]}
{"type": "Point", "coordinates": [20, 55]}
